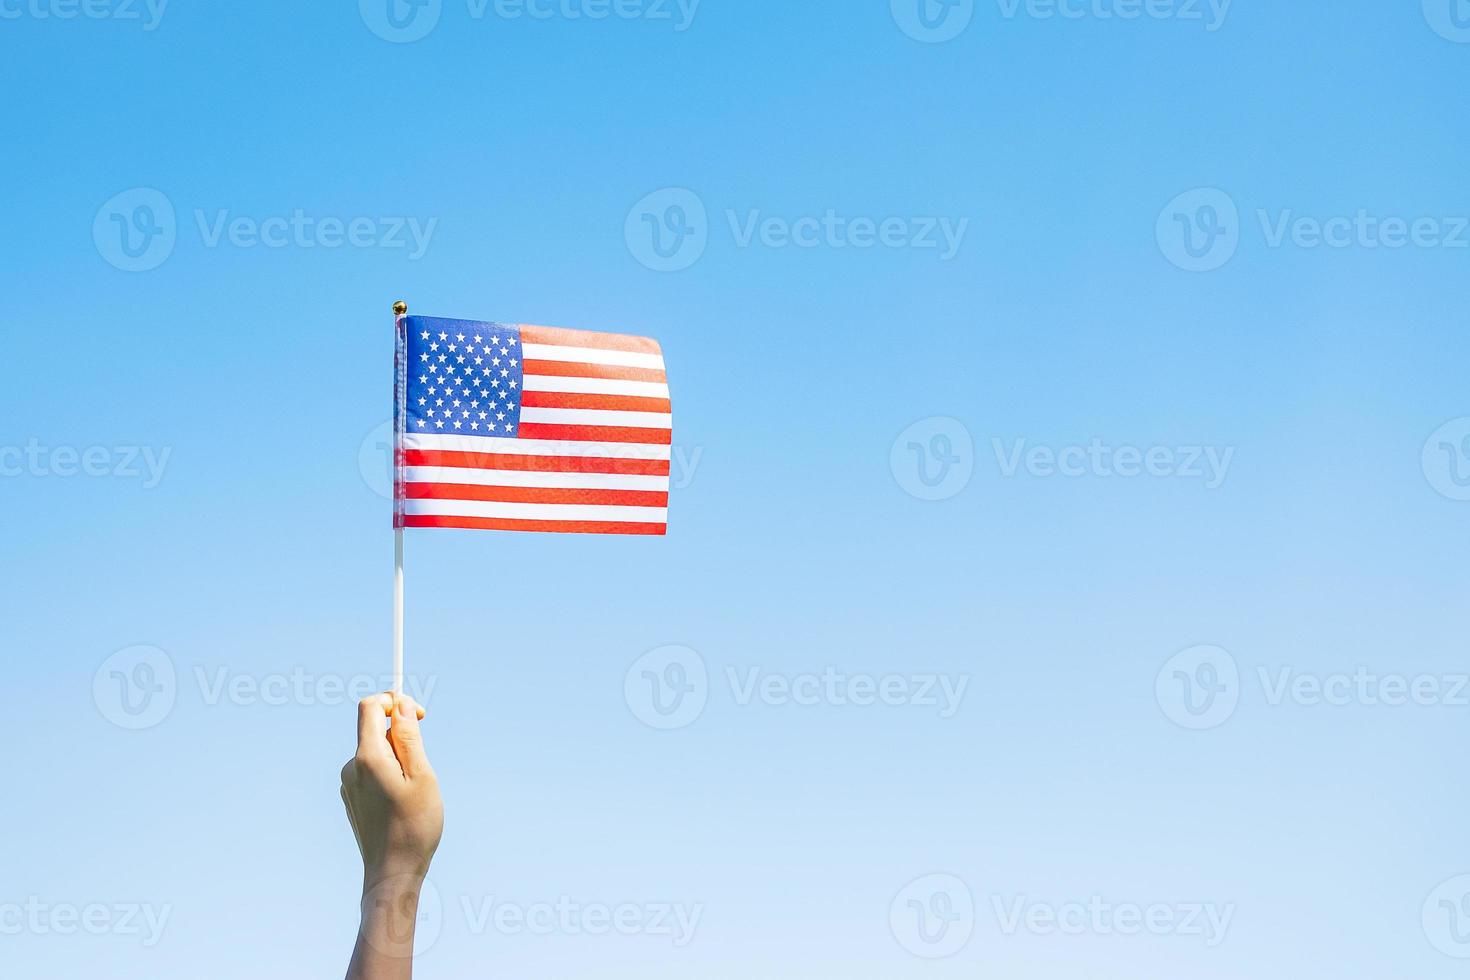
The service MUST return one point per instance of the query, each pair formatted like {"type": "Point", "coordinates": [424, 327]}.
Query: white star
{"type": "Point", "coordinates": [490, 426]}
{"type": "Point", "coordinates": [438, 424]}
{"type": "Point", "coordinates": [505, 372]}
{"type": "Point", "coordinates": [461, 338]}
{"type": "Point", "coordinates": [512, 384]}
{"type": "Point", "coordinates": [422, 423]}
{"type": "Point", "coordinates": [422, 400]}
{"type": "Point", "coordinates": [513, 362]}
{"type": "Point", "coordinates": [423, 357]}
{"type": "Point", "coordinates": [500, 416]}
{"type": "Point", "coordinates": [474, 425]}
{"type": "Point", "coordinates": [443, 336]}
{"type": "Point", "coordinates": [482, 416]}
{"type": "Point", "coordinates": [433, 346]}
{"type": "Point", "coordinates": [477, 338]}
{"type": "Point", "coordinates": [456, 425]}
{"type": "Point", "coordinates": [424, 335]}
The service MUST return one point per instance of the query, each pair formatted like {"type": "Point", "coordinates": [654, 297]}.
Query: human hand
{"type": "Point", "coordinates": [391, 792]}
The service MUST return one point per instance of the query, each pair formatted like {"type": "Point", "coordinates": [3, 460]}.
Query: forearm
{"type": "Point", "coordinates": [385, 938]}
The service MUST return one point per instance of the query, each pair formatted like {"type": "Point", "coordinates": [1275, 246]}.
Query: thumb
{"type": "Point", "coordinates": [407, 737]}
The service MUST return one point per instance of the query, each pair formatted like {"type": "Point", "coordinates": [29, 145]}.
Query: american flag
{"type": "Point", "coordinates": [511, 427]}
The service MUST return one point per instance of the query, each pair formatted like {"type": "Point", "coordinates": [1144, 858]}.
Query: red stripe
{"type": "Point", "coordinates": [535, 495]}
{"type": "Point", "coordinates": [564, 527]}
{"type": "Point", "coordinates": [578, 369]}
{"type": "Point", "coordinates": [538, 464]}
{"type": "Point", "coordinates": [611, 403]}
{"type": "Point", "coordinates": [587, 338]}
{"type": "Point", "coordinates": [597, 433]}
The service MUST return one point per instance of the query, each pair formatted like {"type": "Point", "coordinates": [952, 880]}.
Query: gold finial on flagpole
{"type": "Point", "coordinates": [400, 308]}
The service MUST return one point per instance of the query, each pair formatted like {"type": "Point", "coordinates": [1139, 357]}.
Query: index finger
{"type": "Point", "coordinates": [372, 726]}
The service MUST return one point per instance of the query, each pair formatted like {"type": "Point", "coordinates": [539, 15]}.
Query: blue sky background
{"type": "Point", "coordinates": [1334, 541]}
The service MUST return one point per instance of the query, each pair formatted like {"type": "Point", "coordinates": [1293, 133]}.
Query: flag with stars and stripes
{"type": "Point", "coordinates": [511, 427]}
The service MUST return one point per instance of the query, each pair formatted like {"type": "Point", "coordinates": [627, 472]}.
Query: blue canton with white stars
{"type": "Point", "coordinates": [464, 378]}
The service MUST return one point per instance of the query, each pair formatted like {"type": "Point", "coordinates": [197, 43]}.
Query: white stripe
{"type": "Point", "coordinates": [595, 386]}
{"type": "Point", "coordinates": [474, 476]}
{"type": "Point", "coordinates": [597, 416]}
{"type": "Point", "coordinates": [534, 447]}
{"type": "Point", "coordinates": [591, 355]}
{"type": "Point", "coordinates": [536, 512]}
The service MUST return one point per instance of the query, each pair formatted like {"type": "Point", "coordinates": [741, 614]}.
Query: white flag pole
{"type": "Point", "coordinates": [400, 310]}
{"type": "Point", "coordinates": [398, 610]}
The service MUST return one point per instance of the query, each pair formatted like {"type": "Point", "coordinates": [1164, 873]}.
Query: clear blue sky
{"type": "Point", "coordinates": [261, 158]}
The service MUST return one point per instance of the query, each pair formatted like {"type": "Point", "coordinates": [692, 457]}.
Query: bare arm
{"type": "Point", "coordinates": [392, 799]}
